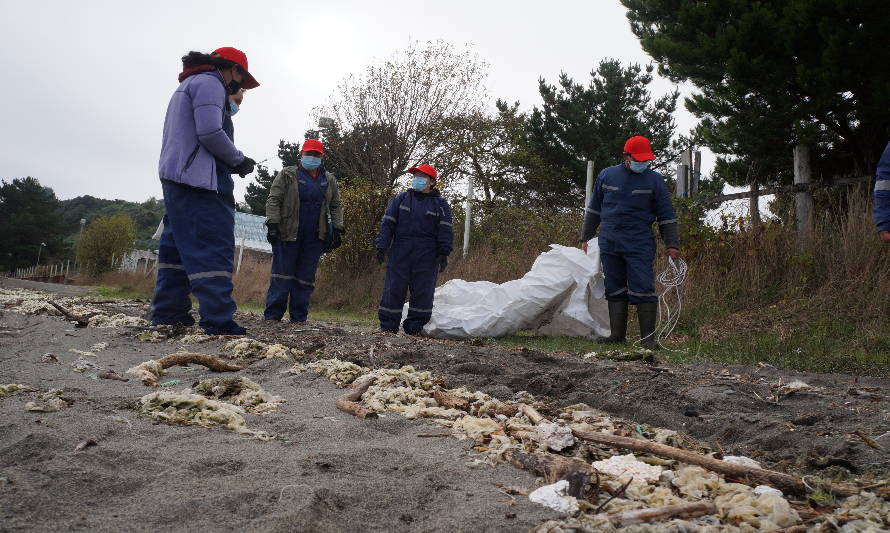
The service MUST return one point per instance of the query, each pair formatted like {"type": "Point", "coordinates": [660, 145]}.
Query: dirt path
{"type": "Point", "coordinates": [328, 471]}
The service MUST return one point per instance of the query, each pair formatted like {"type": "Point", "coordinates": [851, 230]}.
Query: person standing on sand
{"type": "Point", "coordinates": [416, 231]}
{"type": "Point", "coordinates": [198, 156]}
{"type": "Point", "coordinates": [304, 219]}
{"type": "Point", "coordinates": [882, 196]}
{"type": "Point", "coordinates": [626, 200]}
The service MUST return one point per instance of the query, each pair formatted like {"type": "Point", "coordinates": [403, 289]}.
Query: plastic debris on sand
{"type": "Point", "coordinates": [554, 496]}
{"type": "Point", "coordinates": [741, 460]}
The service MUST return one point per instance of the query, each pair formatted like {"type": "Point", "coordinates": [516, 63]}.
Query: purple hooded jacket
{"type": "Point", "coordinates": [193, 133]}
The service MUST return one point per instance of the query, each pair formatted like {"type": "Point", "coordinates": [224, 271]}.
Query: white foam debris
{"type": "Point", "coordinates": [147, 372]}
{"type": "Point", "coordinates": [196, 338]}
{"type": "Point", "coordinates": [82, 365]}
{"type": "Point", "coordinates": [119, 320]}
{"type": "Point", "coordinates": [553, 435]}
{"type": "Point", "coordinates": [186, 408]}
{"type": "Point", "coordinates": [554, 496]}
{"type": "Point", "coordinates": [741, 460]}
{"type": "Point", "coordinates": [624, 467]}
{"type": "Point", "coordinates": [239, 391]}
{"type": "Point", "coordinates": [766, 489]}
{"type": "Point", "coordinates": [245, 347]}
{"type": "Point", "coordinates": [797, 385]}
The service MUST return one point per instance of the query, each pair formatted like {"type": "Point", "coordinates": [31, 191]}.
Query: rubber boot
{"type": "Point", "coordinates": [647, 314]}
{"type": "Point", "coordinates": [617, 323]}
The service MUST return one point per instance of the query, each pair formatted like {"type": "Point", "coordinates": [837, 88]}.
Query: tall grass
{"type": "Point", "coordinates": [760, 294]}
{"type": "Point", "coordinates": [840, 274]}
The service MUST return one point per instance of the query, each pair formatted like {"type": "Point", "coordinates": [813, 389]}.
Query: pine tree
{"type": "Point", "coordinates": [30, 214]}
{"type": "Point", "coordinates": [255, 197]}
{"type": "Point", "coordinates": [577, 123]}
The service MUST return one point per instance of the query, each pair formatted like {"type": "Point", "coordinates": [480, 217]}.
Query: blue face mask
{"type": "Point", "coordinates": [310, 162]}
{"type": "Point", "coordinates": [418, 183]}
{"type": "Point", "coordinates": [639, 166]}
{"type": "Point", "coordinates": [233, 108]}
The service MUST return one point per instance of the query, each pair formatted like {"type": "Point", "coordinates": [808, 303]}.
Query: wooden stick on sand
{"type": "Point", "coordinates": [349, 402]}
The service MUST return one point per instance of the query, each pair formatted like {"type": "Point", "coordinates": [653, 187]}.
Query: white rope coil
{"type": "Point", "coordinates": [672, 279]}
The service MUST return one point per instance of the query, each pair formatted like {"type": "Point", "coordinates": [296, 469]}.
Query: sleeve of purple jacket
{"type": "Point", "coordinates": [882, 192]}
{"type": "Point", "coordinates": [208, 96]}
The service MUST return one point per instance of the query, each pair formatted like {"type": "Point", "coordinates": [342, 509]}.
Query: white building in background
{"type": "Point", "coordinates": [139, 260]}
{"type": "Point", "coordinates": [250, 235]}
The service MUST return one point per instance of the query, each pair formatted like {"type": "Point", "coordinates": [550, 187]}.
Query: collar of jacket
{"type": "Point", "coordinates": [322, 173]}
{"type": "Point", "coordinates": [433, 192]}
{"type": "Point", "coordinates": [191, 71]}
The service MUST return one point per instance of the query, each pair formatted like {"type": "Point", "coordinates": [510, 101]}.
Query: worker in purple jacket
{"type": "Point", "coordinates": [198, 157]}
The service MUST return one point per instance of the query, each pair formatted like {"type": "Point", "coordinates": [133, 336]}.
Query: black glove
{"type": "Point", "coordinates": [272, 233]}
{"type": "Point", "coordinates": [336, 239]}
{"type": "Point", "coordinates": [245, 167]}
{"type": "Point", "coordinates": [443, 262]}
{"type": "Point", "coordinates": [381, 255]}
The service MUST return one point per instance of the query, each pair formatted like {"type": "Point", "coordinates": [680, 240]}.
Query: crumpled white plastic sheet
{"type": "Point", "coordinates": [563, 294]}
{"type": "Point", "coordinates": [554, 496]}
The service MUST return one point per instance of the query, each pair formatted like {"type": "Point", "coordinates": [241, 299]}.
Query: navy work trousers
{"type": "Point", "coordinates": [627, 257]}
{"type": "Point", "coordinates": [293, 275]}
{"type": "Point", "coordinates": [196, 255]}
{"type": "Point", "coordinates": [412, 265]}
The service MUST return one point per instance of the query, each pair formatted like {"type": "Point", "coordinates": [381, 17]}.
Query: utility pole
{"type": "Point", "coordinates": [83, 222]}
{"type": "Point", "coordinates": [39, 249]}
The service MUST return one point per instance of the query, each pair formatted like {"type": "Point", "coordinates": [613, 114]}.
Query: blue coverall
{"type": "Point", "coordinates": [416, 229]}
{"type": "Point", "coordinates": [625, 204]}
{"type": "Point", "coordinates": [197, 251]}
{"type": "Point", "coordinates": [882, 192]}
{"type": "Point", "coordinates": [294, 262]}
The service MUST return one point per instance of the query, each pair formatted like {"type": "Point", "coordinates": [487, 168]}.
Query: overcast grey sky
{"type": "Point", "coordinates": [87, 83]}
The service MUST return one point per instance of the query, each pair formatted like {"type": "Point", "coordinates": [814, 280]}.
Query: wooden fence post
{"type": "Point", "coordinates": [803, 199]}
{"type": "Point", "coordinates": [754, 206]}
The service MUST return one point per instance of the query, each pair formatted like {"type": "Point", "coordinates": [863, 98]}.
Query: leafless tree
{"type": "Point", "coordinates": [398, 113]}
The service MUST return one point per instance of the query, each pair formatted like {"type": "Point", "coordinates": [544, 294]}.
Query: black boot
{"type": "Point", "coordinates": [617, 323]}
{"type": "Point", "coordinates": [647, 314]}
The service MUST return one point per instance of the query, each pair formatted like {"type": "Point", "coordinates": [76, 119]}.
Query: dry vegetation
{"type": "Point", "coordinates": [751, 296]}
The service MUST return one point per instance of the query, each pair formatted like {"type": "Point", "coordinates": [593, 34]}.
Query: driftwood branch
{"type": "Point", "coordinates": [550, 466]}
{"type": "Point", "coordinates": [499, 408]}
{"type": "Point", "coordinates": [685, 510]}
{"type": "Point", "coordinates": [450, 401]}
{"type": "Point", "coordinates": [81, 321]}
{"type": "Point", "coordinates": [785, 482]}
{"type": "Point", "coordinates": [111, 374]}
{"type": "Point", "coordinates": [349, 402]}
{"type": "Point", "coordinates": [532, 414]}
{"type": "Point", "coordinates": [185, 358]}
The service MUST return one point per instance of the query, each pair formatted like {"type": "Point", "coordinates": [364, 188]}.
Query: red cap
{"type": "Point", "coordinates": [237, 56]}
{"type": "Point", "coordinates": [426, 169]}
{"type": "Point", "coordinates": [639, 148]}
{"type": "Point", "coordinates": [312, 145]}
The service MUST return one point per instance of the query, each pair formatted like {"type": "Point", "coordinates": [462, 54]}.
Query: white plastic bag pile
{"type": "Point", "coordinates": [563, 294]}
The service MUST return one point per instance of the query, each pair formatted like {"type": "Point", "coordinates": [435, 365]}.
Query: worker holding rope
{"type": "Point", "coordinates": [626, 200]}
